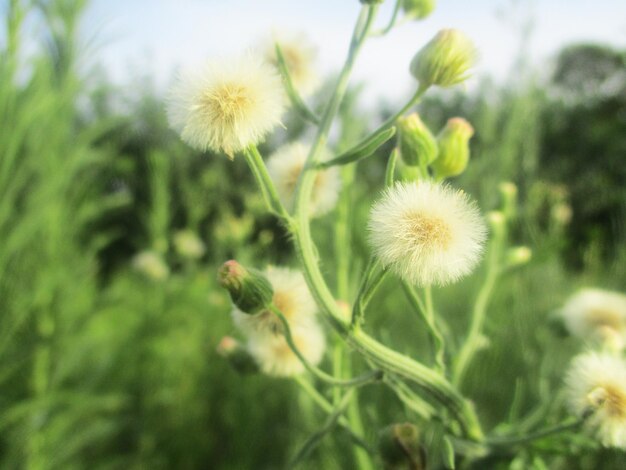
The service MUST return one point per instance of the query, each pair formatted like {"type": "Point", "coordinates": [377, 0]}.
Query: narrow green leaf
{"type": "Point", "coordinates": [391, 167]}
{"type": "Point", "coordinates": [362, 150]}
{"type": "Point", "coordinates": [447, 452]}
{"type": "Point", "coordinates": [297, 102]}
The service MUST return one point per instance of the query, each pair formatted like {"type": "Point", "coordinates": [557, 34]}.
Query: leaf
{"type": "Point", "coordinates": [362, 150]}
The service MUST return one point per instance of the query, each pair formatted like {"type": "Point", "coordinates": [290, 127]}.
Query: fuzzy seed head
{"type": "Point", "coordinates": [596, 386]}
{"type": "Point", "coordinates": [299, 54]}
{"type": "Point", "coordinates": [275, 357]}
{"type": "Point", "coordinates": [291, 296]}
{"type": "Point", "coordinates": [596, 315]}
{"type": "Point", "coordinates": [285, 166]}
{"type": "Point", "coordinates": [426, 233]}
{"type": "Point", "coordinates": [226, 106]}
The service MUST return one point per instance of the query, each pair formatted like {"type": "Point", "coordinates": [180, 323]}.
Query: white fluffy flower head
{"type": "Point", "coordinates": [285, 166]}
{"type": "Point", "coordinates": [596, 386]}
{"type": "Point", "coordinates": [299, 56]}
{"type": "Point", "coordinates": [426, 233]}
{"type": "Point", "coordinates": [227, 105]}
{"type": "Point", "coordinates": [291, 296]}
{"type": "Point", "coordinates": [275, 357]}
{"type": "Point", "coordinates": [598, 315]}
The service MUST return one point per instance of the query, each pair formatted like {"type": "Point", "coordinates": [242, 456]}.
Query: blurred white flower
{"type": "Point", "coordinates": [285, 166]}
{"type": "Point", "coordinates": [151, 264]}
{"type": "Point", "coordinates": [596, 387]}
{"type": "Point", "coordinates": [227, 105]}
{"type": "Point", "coordinates": [597, 315]}
{"type": "Point", "coordinates": [188, 244]}
{"type": "Point", "coordinates": [426, 233]}
{"type": "Point", "coordinates": [299, 54]}
{"type": "Point", "coordinates": [275, 357]}
{"type": "Point", "coordinates": [291, 296]}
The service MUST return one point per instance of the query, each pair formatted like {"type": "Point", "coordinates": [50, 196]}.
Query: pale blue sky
{"type": "Point", "coordinates": [152, 37]}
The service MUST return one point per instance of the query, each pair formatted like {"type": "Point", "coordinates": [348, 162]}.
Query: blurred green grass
{"type": "Point", "coordinates": [102, 367]}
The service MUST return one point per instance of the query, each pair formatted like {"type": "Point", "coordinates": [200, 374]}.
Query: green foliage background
{"type": "Point", "coordinates": [103, 368]}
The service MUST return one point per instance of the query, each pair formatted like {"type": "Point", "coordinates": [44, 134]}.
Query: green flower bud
{"type": "Point", "coordinates": [418, 9]}
{"type": "Point", "coordinates": [509, 198]}
{"type": "Point", "coordinates": [445, 60]}
{"type": "Point", "coordinates": [238, 356]}
{"type": "Point", "coordinates": [497, 223]}
{"type": "Point", "coordinates": [518, 256]}
{"type": "Point", "coordinates": [400, 447]}
{"type": "Point", "coordinates": [249, 290]}
{"type": "Point", "coordinates": [454, 148]}
{"type": "Point", "coordinates": [372, 2]}
{"type": "Point", "coordinates": [418, 146]}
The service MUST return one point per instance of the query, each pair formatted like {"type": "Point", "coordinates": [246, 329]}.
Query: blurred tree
{"type": "Point", "coordinates": [584, 145]}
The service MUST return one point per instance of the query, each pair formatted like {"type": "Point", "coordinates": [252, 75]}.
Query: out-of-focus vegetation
{"type": "Point", "coordinates": [103, 367]}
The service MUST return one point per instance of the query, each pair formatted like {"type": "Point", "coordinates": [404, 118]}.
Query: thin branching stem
{"type": "Point", "coordinates": [328, 407]}
{"type": "Point", "coordinates": [367, 378]}
{"type": "Point", "coordinates": [426, 311]}
{"type": "Point", "coordinates": [313, 441]}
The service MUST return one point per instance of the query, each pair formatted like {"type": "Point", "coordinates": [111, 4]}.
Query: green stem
{"type": "Point", "coordinates": [519, 440]}
{"type": "Point", "coordinates": [295, 98]}
{"type": "Point", "coordinates": [391, 167]}
{"type": "Point", "coordinates": [430, 380]}
{"type": "Point", "coordinates": [342, 362]}
{"type": "Point", "coordinates": [411, 400]}
{"type": "Point", "coordinates": [263, 179]}
{"type": "Point", "coordinates": [372, 277]}
{"type": "Point", "coordinates": [325, 405]}
{"type": "Point", "coordinates": [313, 441]}
{"type": "Point", "coordinates": [427, 314]}
{"type": "Point", "coordinates": [392, 21]}
{"type": "Point", "coordinates": [392, 119]}
{"type": "Point", "coordinates": [367, 378]}
{"type": "Point", "coordinates": [473, 341]}
{"type": "Point", "coordinates": [433, 382]}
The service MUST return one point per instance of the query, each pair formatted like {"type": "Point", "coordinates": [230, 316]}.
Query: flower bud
{"type": "Point", "coordinates": [249, 290]}
{"type": "Point", "coordinates": [400, 447]}
{"type": "Point", "coordinates": [188, 244]}
{"type": "Point", "coordinates": [418, 9]}
{"type": "Point", "coordinates": [509, 198]}
{"type": "Point", "coordinates": [417, 144]}
{"type": "Point", "coordinates": [408, 173]}
{"type": "Point", "coordinates": [561, 213]}
{"type": "Point", "coordinates": [238, 356]}
{"type": "Point", "coordinates": [454, 148]}
{"type": "Point", "coordinates": [445, 60]}
{"type": "Point", "coordinates": [518, 256]}
{"type": "Point", "coordinates": [497, 223]}
{"type": "Point", "coordinates": [152, 265]}
{"type": "Point", "coordinates": [372, 2]}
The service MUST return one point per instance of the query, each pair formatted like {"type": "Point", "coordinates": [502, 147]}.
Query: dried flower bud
{"type": "Point", "coordinates": [445, 60]}
{"type": "Point", "coordinates": [249, 290]}
{"type": "Point", "coordinates": [418, 146]}
{"type": "Point", "coordinates": [237, 355]}
{"type": "Point", "coordinates": [418, 9]}
{"type": "Point", "coordinates": [454, 151]}
{"type": "Point", "coordinates": [400, 447]}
